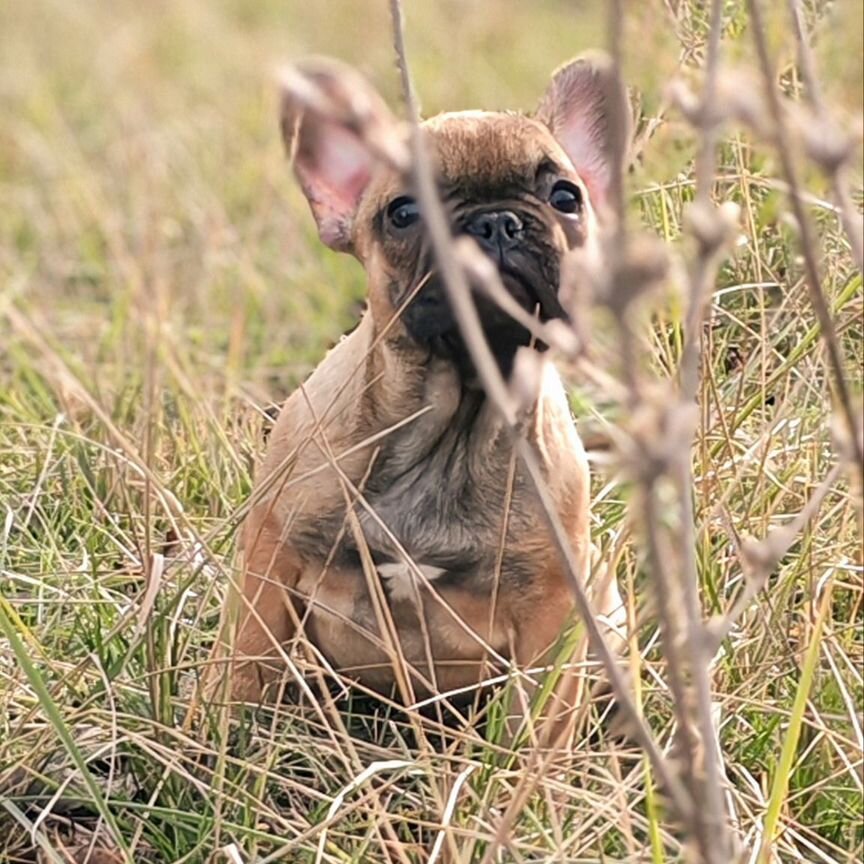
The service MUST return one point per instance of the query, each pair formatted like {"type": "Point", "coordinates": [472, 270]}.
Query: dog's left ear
{"type": "Point", "coordinates": [336, 129]}
{"type": "Point", "coordinates": [576, 107]}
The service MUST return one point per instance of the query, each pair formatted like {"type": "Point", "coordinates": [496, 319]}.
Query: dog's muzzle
{"type": "Point", "coordinates": [528, 268]}
{"type": "Point", "coordinates": [496, 231]}
{"type": "Point", "coordinates": [519, 245]}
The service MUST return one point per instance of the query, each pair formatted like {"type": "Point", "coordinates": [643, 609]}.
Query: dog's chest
{"type": "Point", "coordinates": [438, 492]}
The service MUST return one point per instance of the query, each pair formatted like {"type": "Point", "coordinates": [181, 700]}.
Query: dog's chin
{"type": "Point", "coordinates": [432, 326]}
{"type": "Point", "coordinates": [534, 298]}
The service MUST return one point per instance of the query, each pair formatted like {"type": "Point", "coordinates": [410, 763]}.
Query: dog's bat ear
{"type": "Point", "coordinates": [336, 129]}
{"type": "Point", "coordinates": [577, 107]}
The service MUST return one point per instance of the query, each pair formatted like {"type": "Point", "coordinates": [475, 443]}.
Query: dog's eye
{"type": "Point", "coordinates": [403, 212]}
{"type": "Point", "coordinates": [566, 197]}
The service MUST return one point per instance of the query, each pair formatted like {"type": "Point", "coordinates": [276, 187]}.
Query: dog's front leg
{"type": "Point", "coordinates": [266, 614]}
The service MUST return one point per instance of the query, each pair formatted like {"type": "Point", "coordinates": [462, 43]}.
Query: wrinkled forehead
{"type": "Point", "coordinates": [492, 149]}
{"type": "Point", "coordinates": [479, 155]}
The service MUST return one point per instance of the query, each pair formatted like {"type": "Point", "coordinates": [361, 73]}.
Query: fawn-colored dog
{"type": "Point", "coordinates": [392, 521]}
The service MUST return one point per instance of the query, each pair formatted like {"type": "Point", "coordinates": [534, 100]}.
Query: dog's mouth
{"type": "Point", "coordinates": [431, 323]}
{"type": "Point", "coordinates": [429, 311]}
{"type": "Point", "coordinates": [535, 296]}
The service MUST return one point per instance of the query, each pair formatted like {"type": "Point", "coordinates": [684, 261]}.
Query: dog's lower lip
{"type": "Point", "coordinates": [522, 292]}
{"type": "Point", "coordinates": [530, 296]}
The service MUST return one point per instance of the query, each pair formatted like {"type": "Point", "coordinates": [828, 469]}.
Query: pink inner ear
{"type": "Point", "coordinates": [590, 163]}
{"type": "Point", "coordinates": [343, 163]}
{"type": "Point", "coordinates": [334, 170]}
{"type": "Point", "coordinates": [575, 108]}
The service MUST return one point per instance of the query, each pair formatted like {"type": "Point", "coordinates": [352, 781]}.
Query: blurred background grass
{"type": "Point", "coordinates": [161, 283]}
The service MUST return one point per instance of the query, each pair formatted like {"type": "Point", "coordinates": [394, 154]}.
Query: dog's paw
{"type": "Point", "coordinates": [400, 579]}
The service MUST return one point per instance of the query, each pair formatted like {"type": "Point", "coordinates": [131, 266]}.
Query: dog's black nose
{"type": "Point", "coordinates": [496, 230]}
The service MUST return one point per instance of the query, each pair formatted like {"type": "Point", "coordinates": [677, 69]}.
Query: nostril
{"type": "Point", "coordinates": [510, 224]}
{"type": "Point", "coordinates": [484, 227]}
{"type": "Point", "coordinates": [495, 229]}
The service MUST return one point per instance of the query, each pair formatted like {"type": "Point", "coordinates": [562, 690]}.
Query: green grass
{"type": "Point", "coordinates": [161, 285]}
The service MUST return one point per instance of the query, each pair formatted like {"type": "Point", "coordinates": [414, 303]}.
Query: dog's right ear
{"type": "Point", "coordinates": [577, 107]}
{"type": "Point", "coordinates": [337, 129]}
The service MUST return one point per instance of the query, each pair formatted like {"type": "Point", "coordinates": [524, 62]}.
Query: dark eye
{"type": "Point", "coordinates": [566, 197]}
{"type": "Point", "coordinates": [402, 212]}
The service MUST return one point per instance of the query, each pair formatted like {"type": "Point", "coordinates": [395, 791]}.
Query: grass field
{"type": "Point", "coordinates": [161, 285]}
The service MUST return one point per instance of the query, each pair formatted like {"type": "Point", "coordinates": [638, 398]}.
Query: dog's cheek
{"type": "Point", "coordinates": [380, 277]}
{"type": "Point", "coordinates": [381, 303]}
{"type": "Point", "coordinates": [403, 256]}
{"type": "Point", "coordinates": [428, 317]}
{"type": "Point", "coordinates": [567, 234]}
{"type": "Point", "coordinates": [405, 265]}
{"type": "Point", "coordinates": [389, 287]}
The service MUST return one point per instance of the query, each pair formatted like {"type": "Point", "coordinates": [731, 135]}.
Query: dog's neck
{"type": "Point", "coordinates": [445, 408]}
{"type": "Point", "coordinates": [418, 368]}
{"type": "Point", "coordinates": [444, 435]}
{"type": "Point", "coordinates": [439, 452]}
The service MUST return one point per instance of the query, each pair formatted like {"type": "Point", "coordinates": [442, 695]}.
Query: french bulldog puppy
{"type": "Point", "coordinates": [391, 520]}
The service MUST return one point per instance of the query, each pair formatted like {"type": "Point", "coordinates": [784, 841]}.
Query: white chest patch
{"type": "Point", "coordinates": [402, 581]}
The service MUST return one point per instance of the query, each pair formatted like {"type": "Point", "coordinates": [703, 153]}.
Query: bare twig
{"type": "Point", "coordinates": [618, 119]}
{"type": "Point", "coordinates": [834, 159]}
{"type": "Point", "coordinates": [808, 242]}
{"type": "Point", "coordinates": [458, 291]}
{"type": "Point", "coordinates": [672, 560]}
{"type": "Point", "coordinates": [759, 558]}
{"type": "Point", "coordinates": [711, 229]}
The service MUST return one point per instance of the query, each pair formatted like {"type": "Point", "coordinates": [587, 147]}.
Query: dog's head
{"type": "Point", "coordinates": [527, 188]}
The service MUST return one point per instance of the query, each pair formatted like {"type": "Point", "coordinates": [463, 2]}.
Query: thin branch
{"type": "Point", "coordinates": [617, 120]}
{"type": "Point", "coordinates": [760, 558]}
{"type": "Point", "coordinates": [852, 222]}
{"type": "Point", "coordinates": [465, 311]}
{"type": "Point", "coordinates": [710, 823]}
{"type": "Point", "coordinates": [808, 244]}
